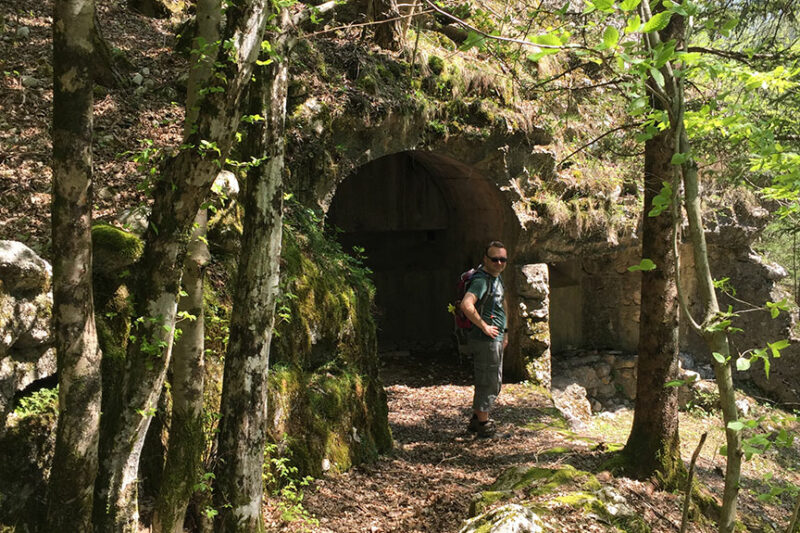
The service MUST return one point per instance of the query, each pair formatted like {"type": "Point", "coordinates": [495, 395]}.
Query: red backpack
{"type": "Point", "coordinates": [462, 323]}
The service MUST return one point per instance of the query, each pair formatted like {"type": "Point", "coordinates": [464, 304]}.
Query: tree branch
{"type": "Point", "coordinates": [606, 134]}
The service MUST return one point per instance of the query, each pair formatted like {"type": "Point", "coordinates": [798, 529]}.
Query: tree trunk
{"type": "Point", "coordinates": [75, 462]}
{"type": "Point", "coordinates": [186, 438]}
{"type": "Point", "coordinates": [717, 342]}
{"type": "Point", "coordinates": [654, 444]}
{"type": "Point", "coordinates": [183, 185]}
{"type": "Point", "coordinates": [389, 33]}
{"type": "Point", "coordinates": [242, 434]}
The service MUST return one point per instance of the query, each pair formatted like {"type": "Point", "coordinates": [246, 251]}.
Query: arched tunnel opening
{"type": "Point", "coordinates": [422, 219]}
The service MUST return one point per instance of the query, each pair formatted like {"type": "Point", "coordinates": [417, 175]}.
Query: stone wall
{"type": "Point", "coordinates": [26, 300]}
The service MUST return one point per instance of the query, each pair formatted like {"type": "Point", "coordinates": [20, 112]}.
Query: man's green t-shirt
{"type": "Point", "coordinates": [493, 312]}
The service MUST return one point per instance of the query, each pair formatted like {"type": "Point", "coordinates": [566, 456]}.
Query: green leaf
{"type": "Point", "coordinates": [633, 25]}
{"type": "Point", "coordinates": [775, 308]}
{"type": "Point", "coordinates": [662, 201]}
{"type": "Point", "coordinates": [473, 40]}
{"type": "Point", "coordinates": [723, 450]}
{"type": "Point", "coordinates": [663, 53]}
{"type": "Point", "coordinates": [547, 39]}
{"type": "Point", "coordinates": [657, 76]}
{"type": "Point", "coordinates": [736, 425]}
{"type": "Point", "coordinates": [679, 159]}
{"type": "Point", "coordinates": [638, 106]}
{"type": "Point", "coordinates": [610, 37]}
{"type": "Point", "coordinates": [728, 26]}
{"type": "Point", "coordinates": [645, 265]}
{"type": "Point", "coordinates": [719, 358]}
{"type": "Point", "coordinates": [674, 383]}
{"type": "Point", "coordinates": [658, 22]}
{"type": "Point", "coordinates": [742, 364]}
{"type": "Point", "coordinates": [629, 5]}
{"type": "Point", "coordinates": [776, 347]}
{"type": "Point", "coordinates": [606, 6]}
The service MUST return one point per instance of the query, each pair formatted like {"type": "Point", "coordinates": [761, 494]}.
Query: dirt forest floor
{"type": "Point", "coordinates": [427, 482]}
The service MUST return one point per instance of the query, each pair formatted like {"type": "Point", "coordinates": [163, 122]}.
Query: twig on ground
{"type": "Point", "coordinates": [795, 512]}
{"type": "Point", "coordinates": [688, 497]}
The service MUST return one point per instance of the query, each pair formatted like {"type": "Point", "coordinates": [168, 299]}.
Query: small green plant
{"type": "Point", "coordinates": [281, 479]}
{"type": "Point", "coordinates": [40, 402]}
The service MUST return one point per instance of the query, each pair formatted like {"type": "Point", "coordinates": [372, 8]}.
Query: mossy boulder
{"type": "Point", "coordinates": [545, 493]}
{"type": "Point", "coordinates": [27, 450]}
{"type": "Point", "coordinates": [114, 252]}
{"type": "Point", "coordinates": [531, 482]}
{"type": "Point", "coordinates": [114, 249]}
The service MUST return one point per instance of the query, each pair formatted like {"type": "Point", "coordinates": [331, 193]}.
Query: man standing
{"type": "Point", "coordinates": [484, 306]}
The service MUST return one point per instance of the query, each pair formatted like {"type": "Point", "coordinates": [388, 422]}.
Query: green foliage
{"type": "Point", "coordinates": [43, 401]}
{"type": "Point", "coordinates": [645, 265]}
{"type": "Point", "coordinates": [281, 479]}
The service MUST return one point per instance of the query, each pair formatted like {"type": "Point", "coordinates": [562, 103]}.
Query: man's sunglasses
{"type": "Point", "coordinates": [498, 259]}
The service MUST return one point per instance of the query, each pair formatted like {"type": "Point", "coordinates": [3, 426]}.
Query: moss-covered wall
{"type": "Point", "coordinates": [327, 406]}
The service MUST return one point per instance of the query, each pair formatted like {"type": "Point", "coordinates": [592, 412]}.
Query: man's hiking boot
{"type": "Point", "coordinates": [486, 429]}
{"type": "Point", "coordinates": [472, 427]}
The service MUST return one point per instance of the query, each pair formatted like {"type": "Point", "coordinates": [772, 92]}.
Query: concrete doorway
{"type": "Point", "coordinates": [422, 218]}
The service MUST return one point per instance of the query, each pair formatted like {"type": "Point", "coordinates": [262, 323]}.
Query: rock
{"type": "Point", "coordinates": [510, 518]}
{"type": "Point", "coordinates": [745, 405]}
{"type": "Point", "coordinates": [25, 317]}
{"type": "Point", "coordinates": [21, 270]}
{"type": "Point", "coordinates": [226, 184]}
{"type": "Point", "coordinates": [534, 281]}
{"type": "Point", "coordinates": [705, 395]}
{"type": "Point", "coordinates": [572, 402]}
{"type": "Point", "coordinates": [134, 219]}
{"type": "Point", "coordinates": [31, 82]}
{"type": "Point", "coordinates": [686, 360]}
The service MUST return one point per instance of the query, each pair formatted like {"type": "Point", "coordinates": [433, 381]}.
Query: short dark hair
{"type": "Point", "coordinates": [493, 244]}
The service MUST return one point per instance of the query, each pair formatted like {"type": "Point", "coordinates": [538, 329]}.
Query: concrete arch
{"type": "Point", "coordinates": [423, 217]}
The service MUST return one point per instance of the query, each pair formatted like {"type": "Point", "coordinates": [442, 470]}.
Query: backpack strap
{"type": "Point", "coordinates": [489, 291]}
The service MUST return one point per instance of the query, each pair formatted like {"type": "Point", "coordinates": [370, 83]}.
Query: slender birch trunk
{"type": "Point", "coordinates": [71, 488]}
{"type": "Point", "coordinates": [186, 439]}
{"type": "Point", "coordinates": [717, 341]}
{"type": "Point", "coordinates": [183, 185]}
{"type": "Point", "coordinates": [242, 434]}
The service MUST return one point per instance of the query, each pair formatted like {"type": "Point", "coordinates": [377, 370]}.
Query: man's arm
{"type": "Point", "coordinates": [468, 307]}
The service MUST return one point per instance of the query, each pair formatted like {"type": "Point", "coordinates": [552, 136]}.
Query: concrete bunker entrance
{"type": "Point", "coordinates": [422, 218]}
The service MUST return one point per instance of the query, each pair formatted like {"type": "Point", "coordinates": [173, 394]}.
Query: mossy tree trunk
{"type": "Point", "coordinates": [181, 188]}
{"type": "Point", "coordinates": [654, 444]}
{"type": "Point", "coordinates": [74, 468]}
{"type": "Point", "coordinates": [186, 438]}
{"type": "Point", "coordinates": [242, 431]}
